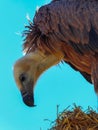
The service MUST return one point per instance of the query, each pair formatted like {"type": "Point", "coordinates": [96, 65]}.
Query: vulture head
{"type": "Point", "coordinates": [27, 70]}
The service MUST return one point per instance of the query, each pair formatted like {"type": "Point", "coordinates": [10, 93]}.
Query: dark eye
{"type": "Point", "coordinates": [22, 77]}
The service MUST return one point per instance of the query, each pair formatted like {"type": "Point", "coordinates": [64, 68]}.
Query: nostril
{"type": "Point", "coordinates": [24, 94]}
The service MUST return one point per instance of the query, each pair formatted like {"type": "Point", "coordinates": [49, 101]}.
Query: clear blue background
{"type": "Point", "coordinates": [59, 85]}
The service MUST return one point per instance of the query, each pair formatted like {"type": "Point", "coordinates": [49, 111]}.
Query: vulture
{"type": "Point", "coordinates": [63, 30]}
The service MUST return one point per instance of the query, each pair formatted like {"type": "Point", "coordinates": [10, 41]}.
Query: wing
{"type": "Point", "coordinates": [87, 77]}
{"type": "Point", "coordinates": [84, 74]}
{"type": "Point", "coordinates": [80, 29]}
{"type": "Point", "coordinates": [71, 21]}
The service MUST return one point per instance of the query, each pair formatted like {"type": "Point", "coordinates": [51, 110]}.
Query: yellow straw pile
{"type": "Point", "coordinates": [76, 119]}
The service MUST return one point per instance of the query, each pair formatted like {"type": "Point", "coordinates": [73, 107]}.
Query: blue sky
{"type": "Point", "coordinates": [57, 86]}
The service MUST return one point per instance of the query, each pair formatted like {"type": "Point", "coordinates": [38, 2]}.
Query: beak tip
{"type": "Point", "coordinates": [28, 103]}
{"type": "Point", "coordinates": [28, 99]}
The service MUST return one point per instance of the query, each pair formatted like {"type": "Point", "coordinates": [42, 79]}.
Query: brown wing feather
{"type": "Point", "coordinates": [70, 26]}
{"type": "Point", "coordinates": [72, 21]}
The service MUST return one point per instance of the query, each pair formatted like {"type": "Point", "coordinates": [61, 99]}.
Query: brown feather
{"type": "Point", "coordinates": [70, 27]}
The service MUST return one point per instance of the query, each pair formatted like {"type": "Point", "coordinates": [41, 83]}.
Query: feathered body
{"type": "Point", "coordinates": [67, 29]}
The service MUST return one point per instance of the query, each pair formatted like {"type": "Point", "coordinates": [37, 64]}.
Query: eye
{"type": "Point", "coordinates": [22, 77]}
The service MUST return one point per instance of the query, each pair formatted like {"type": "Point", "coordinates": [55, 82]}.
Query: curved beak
{"type": "Point", "coordinates": [28, 98]}
{"type": "Point", "coordinates": [27, 93]}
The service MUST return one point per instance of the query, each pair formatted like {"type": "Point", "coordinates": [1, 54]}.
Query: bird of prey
{"type": "Point", "coordinates": [63, 30]}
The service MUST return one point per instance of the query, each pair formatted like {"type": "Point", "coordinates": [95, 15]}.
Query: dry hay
{"type": "Point", "coordinates": [76, 119]}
